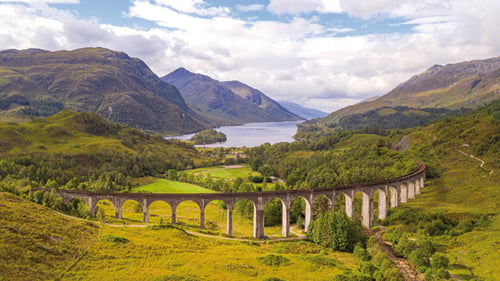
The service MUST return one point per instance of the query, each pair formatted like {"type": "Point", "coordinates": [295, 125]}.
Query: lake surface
{"type": "Point", "coordinates": [254, 134]}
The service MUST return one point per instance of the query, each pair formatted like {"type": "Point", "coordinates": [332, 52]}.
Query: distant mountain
{"type": "Point", "coordinates": [466, 84]}
{"type": "Point", "coordinates": [36, 82]}
{"type": "Point", "coordinates": [304, 112]}
{"type": "Point", "coordinates": [231, 101]}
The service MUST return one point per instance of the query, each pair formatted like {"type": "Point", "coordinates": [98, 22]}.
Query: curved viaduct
{"type": "Point", "coordinates": [390, 193]}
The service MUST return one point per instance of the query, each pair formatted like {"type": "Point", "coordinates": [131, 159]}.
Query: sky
{"type": "Point", "coordinates": [324, 54]}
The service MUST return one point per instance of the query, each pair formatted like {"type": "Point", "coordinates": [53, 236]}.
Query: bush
{"type": "Point", "coordinates": [114, 239]}
{"type": "Point", "coordinates": [274, 260]}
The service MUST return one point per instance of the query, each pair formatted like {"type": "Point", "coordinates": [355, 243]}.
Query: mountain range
{"type": "Point", "coordinates": [466, 84]}
{"type": "Point", "coordinates": [302, 111]}
{"type": "Point", "coordinates": [37, 83]}
{"type": "Point", "coordinates": [232, 101]}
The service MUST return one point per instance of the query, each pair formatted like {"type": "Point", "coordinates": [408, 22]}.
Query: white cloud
{"type": "Point", "coordinates": [298, 60]}
{"type": "Point", "coordinates": [296, 7]}
{"type": "Point", "coordinates": [198, 7]}
{"type": "Point", "coordinates": [250, 8]}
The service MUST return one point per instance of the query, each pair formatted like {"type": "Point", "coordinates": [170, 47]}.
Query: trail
{"type": "Point", "coordinates": [477, 159]}
{"type": "Point", "coordinates": [408, 271]}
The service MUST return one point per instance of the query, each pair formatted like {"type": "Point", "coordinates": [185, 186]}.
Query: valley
{"type": "Point", "coordinates": [125, 204]}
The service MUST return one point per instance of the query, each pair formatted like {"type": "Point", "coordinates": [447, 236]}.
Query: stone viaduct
{"type": "Point", "coordinates": [390, 193]}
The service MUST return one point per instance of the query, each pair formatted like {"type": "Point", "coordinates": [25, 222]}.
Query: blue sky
{"type": "Point", "coordinates": [324, 54]}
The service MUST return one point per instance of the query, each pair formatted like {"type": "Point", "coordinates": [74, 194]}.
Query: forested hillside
{"type": "Point", "coordinates": [82, 150]}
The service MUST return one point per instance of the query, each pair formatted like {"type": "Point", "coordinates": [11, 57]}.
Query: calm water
{"type": "Point", "coordinates": [254, 134]}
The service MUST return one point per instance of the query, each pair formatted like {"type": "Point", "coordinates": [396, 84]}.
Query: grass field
{"type": "Point", "coordinates": [168, 186]}
{"type": "Point", "coordinates": [171, 254]}
{"type": "Point", "coordinates": [228, 173]}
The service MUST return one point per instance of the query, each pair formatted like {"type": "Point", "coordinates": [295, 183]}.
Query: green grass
{"type": "Point", "coordinates": [155, 254]}
{"type": "Point", "coordinates": [227, 173]}
{"type": "Point", "coordinates": [36, 243]}
{"type": "Point", "coordinates": [168, 186]}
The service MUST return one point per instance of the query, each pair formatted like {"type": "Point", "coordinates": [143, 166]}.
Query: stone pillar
{"type": "Point", "coordinates": [229, 227]}
{"type": "Point", "coordinates": [202, 217]}
{"type": "Point", "coordinates": [367, 210]}
{"type": "Point", "coordinates": [92, 204]}
{"type": "Point", "coordinates": [411, 189]}
{"type": "Point", "coordinates": [349, 204]}
{"type": "Point", "coordinates": [422, 184]}
{"type": "Point", "coordinates": [403, 196]}
{"type": "Point", "coordinates": [417, 186]}
{"type": "Point", "coordinates": [145, 210]}
{"type": "Point", "coordinates": [382, 204]}
{"type": "Point", "coordinates": [258, 221]}
{"type": "Point", "coordinates": [285, 219]}
{"type": "Point", "coordinates": [118, 211]}
{"type": "Point", "coordinates": [308, 213]}
{"type": "Point", "coordinates": [173, 206]}
{"type": "Point", "coordinates": [394, 197]}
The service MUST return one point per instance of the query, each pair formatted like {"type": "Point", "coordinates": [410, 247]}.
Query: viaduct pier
{"type": "Point", "coordinates": [390, 193]}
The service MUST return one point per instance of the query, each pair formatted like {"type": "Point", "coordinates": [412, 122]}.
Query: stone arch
{"type": "Point", "coordinates": [242, 209]}
{"type": "Point", "coordinates": [89, 204]}
{"type": "Point", "coordinates": [131, 209]}
{"type": "Point", "coordinates": [190, 206]}
{"type": "Point", "coordinates": [110, 208]}
{"type": "Point", "coordinates": [156, 211]}
{"type": "Point", "coordinates": [306, 211]}
{"type": "Point", "coordinates": [212, 217]}
{"type": "Point", "coordinates": [284, 210]}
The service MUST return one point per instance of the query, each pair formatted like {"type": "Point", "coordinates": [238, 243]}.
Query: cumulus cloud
{"type": "Point", "coordinates": [298, 59]}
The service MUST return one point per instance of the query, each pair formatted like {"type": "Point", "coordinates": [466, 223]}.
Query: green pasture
{"type": "Point", "coordinates": [225, 172]}
{"type": "Point", "coordinates": [168, 186]}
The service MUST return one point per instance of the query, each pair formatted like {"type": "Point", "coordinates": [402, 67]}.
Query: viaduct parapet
{"type": "Point", "coordinates": [390, 193]}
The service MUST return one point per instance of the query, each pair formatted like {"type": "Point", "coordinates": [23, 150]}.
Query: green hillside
{"type": "Point", "coordinates": [37, 243]}
{"type": "Point", "coordinates": [40, 83]}
{"type": "Point", "coordinates": [460, 188]}
{"type": "Point", "coordinates": [82, 150]}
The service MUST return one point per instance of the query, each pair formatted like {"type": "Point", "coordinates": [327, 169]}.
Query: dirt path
{"type": "Point", "coordinates": [408, 271]}
{"type": "Point", "coordinates": [477, 159]}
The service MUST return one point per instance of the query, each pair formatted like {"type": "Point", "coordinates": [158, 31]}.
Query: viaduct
{"type": "Point", "coordinates": [390, 193]}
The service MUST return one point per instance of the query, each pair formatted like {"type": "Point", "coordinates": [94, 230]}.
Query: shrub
{"type": "Point", "coordinates": [274, 260]}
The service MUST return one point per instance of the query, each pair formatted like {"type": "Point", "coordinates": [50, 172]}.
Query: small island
{"type": "Point", "coordinates": [208, 136]}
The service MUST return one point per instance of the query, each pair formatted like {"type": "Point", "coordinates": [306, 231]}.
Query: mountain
{"type": "Point", "coordinates": [36, 82]}
{"type": "Point", "coordinates": [233, 102]}
{"type": "Point", "coordinates": [304, 112]}
{"type": "Point", "coordinates": [275, 109]}
{"type": "Point", "coordinates": [467, 84]}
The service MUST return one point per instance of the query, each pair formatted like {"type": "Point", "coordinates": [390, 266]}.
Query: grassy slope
{"type": "Point", "coordinates": [168, 186]}
{"type": "Point", "coordinates": [160, 254]}
{"type": "Point", "coordinates": [36, 243]}
{"type": "Point", "coordinates": [465, 188]}
{"type": "Point", "coordinates": [73, 133]}
{"type": "Point", "coordinates": [224, 173]}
